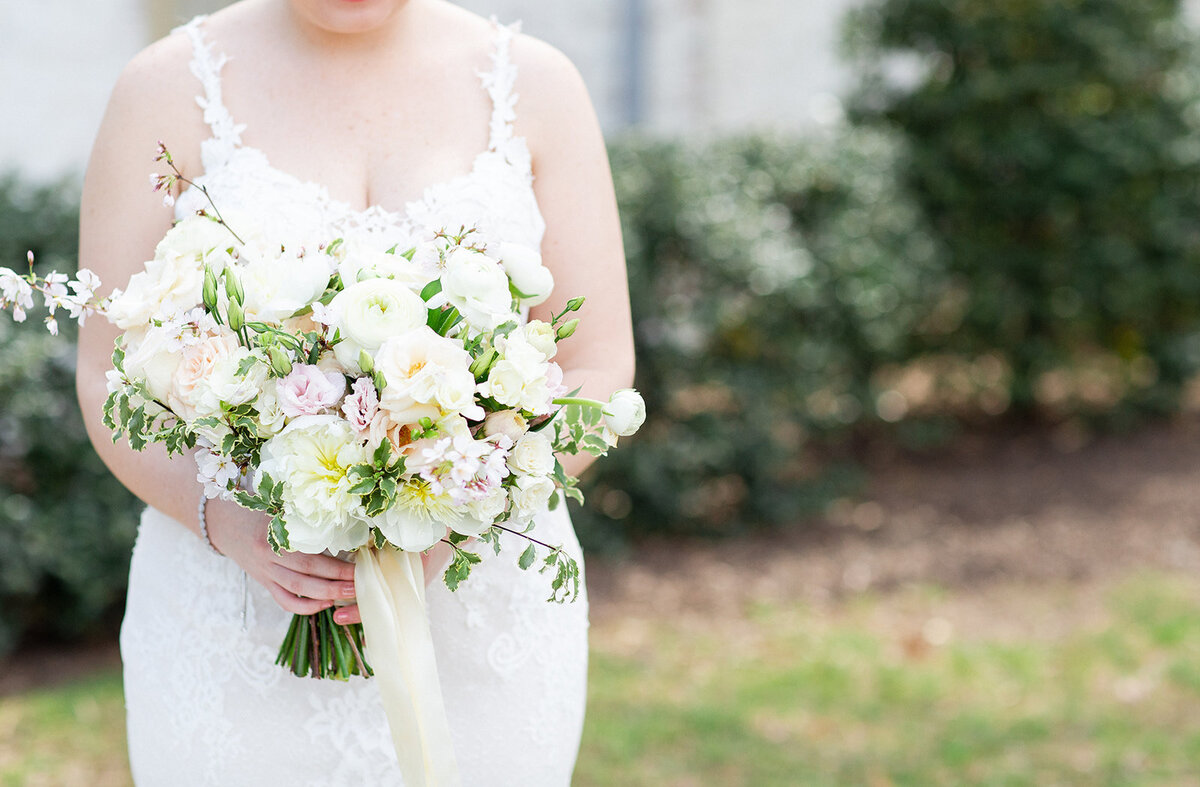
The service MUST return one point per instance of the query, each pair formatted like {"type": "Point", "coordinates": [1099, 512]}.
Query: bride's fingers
{"type": "Point", "coordinates": [294, 604]}
{"type": "Point", "coordinates": [316, 565]}
{"type": "Point", "coordinates": [309, 586]}
{"type": "Point", "coordinates": [347, 615]}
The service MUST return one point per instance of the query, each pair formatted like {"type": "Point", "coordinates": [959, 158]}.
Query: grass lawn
{"type": "Point", "coordinates": [1052, 685]}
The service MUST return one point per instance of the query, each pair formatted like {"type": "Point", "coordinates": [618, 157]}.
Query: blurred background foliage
{"type": "Point", "coordinates": [1010, 233]}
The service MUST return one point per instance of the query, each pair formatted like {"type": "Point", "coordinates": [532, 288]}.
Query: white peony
{"type": "Point", "coordinates": [312, 457]}
{"type": "Point", "coordinates": [475, 285]}
{"type": "Point", "coordinates": [359, 262]}
{"type": "Point", "coordinates": [279, 285]}
{"type": "Point", "coordinates": [532, 455]}
{"type": "Point", "coordinates": [419, 517]}
{"type": "Point", "coordinates": [524, 267]}
{"type": "Point", "coordinates": [370, 312]}
{"type": "Point", "coordinates": [625, 412]}
{"type": "Point", "coordinates": [427, 375]}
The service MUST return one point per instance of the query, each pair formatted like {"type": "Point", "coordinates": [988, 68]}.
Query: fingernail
{"type": "Point", "coordinates": [347, 590]}
{"type": "Point", "coordinates": [340, 617]}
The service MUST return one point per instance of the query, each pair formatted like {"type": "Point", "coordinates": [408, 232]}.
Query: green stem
{"type": "Point", "coordinates": [579, 400]}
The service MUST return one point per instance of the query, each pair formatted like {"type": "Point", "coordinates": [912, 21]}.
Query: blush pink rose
{"type": "Point", "coordinates": [308, 390]}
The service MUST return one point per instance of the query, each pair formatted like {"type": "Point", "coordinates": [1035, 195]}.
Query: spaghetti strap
{"type": "Point", "coordinates": [206, 66]}
{"type": "Point", "coordinates": [499, 81]}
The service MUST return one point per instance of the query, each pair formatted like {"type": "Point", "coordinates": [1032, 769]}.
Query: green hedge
{"type": "Point", "coordinates": [1054, 146]}
{"type": "Point", "coordinates": [66, 525]}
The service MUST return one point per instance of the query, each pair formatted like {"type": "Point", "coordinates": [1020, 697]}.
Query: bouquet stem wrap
{"type": "Point", "coordinates": [391, 599]}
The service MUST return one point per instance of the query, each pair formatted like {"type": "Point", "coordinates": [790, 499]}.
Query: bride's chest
{"type": "Point", "coordinates": [494, 195]}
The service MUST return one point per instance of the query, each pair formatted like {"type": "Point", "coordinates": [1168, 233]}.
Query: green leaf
{"type": "Point", "coordinates": [431, 289]}
{"type": "Point", "coordinates": [527, 557]}
{"type": "Point", "coordinates": [277, 534]}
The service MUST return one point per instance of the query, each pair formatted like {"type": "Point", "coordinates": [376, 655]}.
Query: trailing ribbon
{"type": "Point", "coordinates": [391, 597]}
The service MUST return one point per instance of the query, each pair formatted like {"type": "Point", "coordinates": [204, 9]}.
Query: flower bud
{"type": "Point", "coordinates": [280, 363]}
{"type": "Point", "coordinates": [233, 287]}
{"type": "Point", "coordinates": [366, 362]}
{"type": "Point", "coordinates": [210, 289]}
{"type": "Point", "coordinates": [481, 365]}
{"type": "Point", "coordinates": [237, 317]}
{"type": "Point", "coordinates": [566, 329]}
{"type": "Point", "coordinates": [575, 304]}
{"type": "Point", "coordinates": [625, 412]}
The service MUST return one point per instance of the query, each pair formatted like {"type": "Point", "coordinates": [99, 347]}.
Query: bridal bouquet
{"type": "Point", "coordinates": [367, 401]}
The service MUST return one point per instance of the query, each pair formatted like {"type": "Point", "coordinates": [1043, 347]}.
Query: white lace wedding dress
{"type": "Point", "coordinates": [206, 703]}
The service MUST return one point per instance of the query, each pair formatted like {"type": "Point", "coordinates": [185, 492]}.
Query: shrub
{"type": "Point", "coordinates": [770, 277]}
{"type": "Point", "coordinates": [66, 525]}
{"type": "Point", "coordinates": [1052, 146]}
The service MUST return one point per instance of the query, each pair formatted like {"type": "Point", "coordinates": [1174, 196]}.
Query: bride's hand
{"type": "Point", "coordinates": [301, 584]}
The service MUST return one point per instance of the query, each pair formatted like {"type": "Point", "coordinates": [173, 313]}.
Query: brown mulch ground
{"type": "Point", "coordinates": [986, 518]}
{"type": "Point", "coordinates": [992, 512]}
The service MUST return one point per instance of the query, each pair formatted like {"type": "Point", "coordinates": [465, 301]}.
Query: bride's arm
{"type": "Point", "coordinates": [121, 221]}
{"type": "Point", "coordinates": [583, 246]}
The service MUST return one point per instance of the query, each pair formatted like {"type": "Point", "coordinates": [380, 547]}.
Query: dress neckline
{"type": "Point", "coordinates": [225, 142]}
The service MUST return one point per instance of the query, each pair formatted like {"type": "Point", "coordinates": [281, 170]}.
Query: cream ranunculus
{"type": "Point", "coordinates": [370, 312]}
{"type": "Point", "coordinates": [427, 375]}
{"type": "Point", "coordinates": [271, 419]}
{"type": "Point", "coordinates": [476, 285]}
{"type": "Point", "coordinates": [524, 266]}
{"type": "Point", "coordinates": [312, 456]}
{"type": "Point", "coordinates": [625, 412]}
{"type": "Point", "coordinates": [279, 285]}
{"type": "Point", "coordinates": [532, 455]}
{"type": "Point", "coordinates": [530, 495]}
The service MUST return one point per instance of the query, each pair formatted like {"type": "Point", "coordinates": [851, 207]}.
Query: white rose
{"type": "Point", "coordinates": [530, 495]}
{"type": "Point", "coordinates": [524, 266]}
{"type": "Point", "coordinates": [152, 357]}
{"type": "Point", "coordinates": [541, 335]}
{"type": "Point", "coordinates": [625, 412]}
{"type": "Point", "coordinates": [370, 312]}
{"type": "Point", "coordinates": [532, 455]}
{"type": "Point", "coordinates": [311, 457]}
{"type": "Point", "coordinates": [475, 285]}
{"type": "Point", "coordinates": [279, 285]}
{"type": "Point", "coordinates": [427, 376]}
{"type": "Point", "coordinates": [197, 365]}
{"type": "Point", "coordinates": [509, 423]}
{"type": "Point", "coordinates": [196, 237]}
{"type": "Point", "coordinates": [165, 288]}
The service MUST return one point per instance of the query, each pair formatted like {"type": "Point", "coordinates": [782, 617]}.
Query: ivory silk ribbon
{"type": "Point", "coordinates": [391, 598]}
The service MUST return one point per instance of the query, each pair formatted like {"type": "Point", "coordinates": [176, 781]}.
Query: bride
{"type": "Point", "coordinates": [380, 121]}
